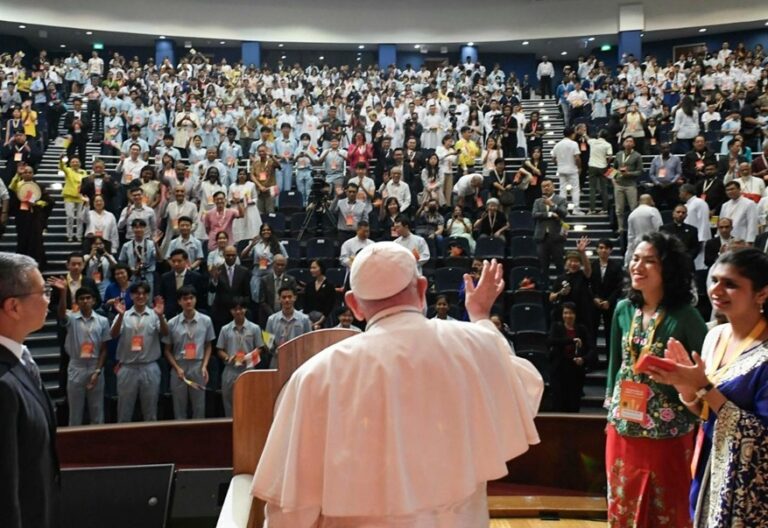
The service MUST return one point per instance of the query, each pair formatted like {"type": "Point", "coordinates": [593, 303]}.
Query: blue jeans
{"type": "Point", "coordinates": [284, 178]}
{"type": "Point", "coordinates": [304, 183]}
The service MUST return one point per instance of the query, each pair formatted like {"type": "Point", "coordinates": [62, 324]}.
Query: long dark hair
{"type": "Point", "coordinates": [752, 264]}
{"type": "Point", "coordinates": [273, 242]}
{"type": "Point", "coordinates": [676, 271]}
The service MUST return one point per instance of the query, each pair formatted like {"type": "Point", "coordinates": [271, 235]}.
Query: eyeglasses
{"type": "Point", "coordinates": [46, 292]}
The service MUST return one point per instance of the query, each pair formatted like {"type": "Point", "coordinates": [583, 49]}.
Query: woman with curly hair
{"type": "Point", "coordinates": [649, 444]}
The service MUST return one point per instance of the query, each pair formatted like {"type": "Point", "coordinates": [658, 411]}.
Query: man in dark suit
{"type": "Point", "coordinates": [17, 153]}
{"type": "Point", "coordinates": [549, 212]}
{"type": "Point", "coordinates": [695, 160]}
{"type": "Point", "coordinates": [269, 301]}
{"type": "Point", "coordinates": [606, 281]}
{"type": "Point", "coordinates": [78, 126]}
{"type": "Point", "coordinates": [75, 280]}
{"type": "Point", "coordinates": [687, 234]}
{"type": "Point", "coordinates": [717, 245]}
{"type": "Point", "coordinates": [227, 282]}
{"type": "Point", "coordinates": [180, 276]}
{"type": "Point", "coordinates": [761, 242]}
{"type": "Point", "coordinates": [711, 189]}
{"type": "Point", "coordinates": [29, 466]}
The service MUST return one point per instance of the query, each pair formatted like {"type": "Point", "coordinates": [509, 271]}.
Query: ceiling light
{"type": "Point", "coordinates": [765, 24]}
{"type": "Point", "coordinates": [321, 57]}
{"type": "Point", "coordinates": [643, 34]}
{"type": "Point", "coordinates": [525, 43]}
{"type": "Point", "coordinates": [361, 46]}
{"type": "Point", "coordinates": [703, 30]}
{"type": "Point", "coordinates": [89, 32]}
{"type": "Point", "coordinates": [22, 26]}
{"type": "Point", "coordinates": [283, 57]}
{"type": "Point", "coordinates": [223, 42]}
{"type": "Point", "coordinates": [417, 46]}
{"type": "Point", "coordinates": [591, 39]}
{"type": "Point", "coordinates": [62, 45]}
{"type": "Point", "coordinates": [161, 37]}
{"type": "Point", "coordinates": [470, 43]}
{"type": "Point", "coordinates": [280, 45]}
{"type": "Point", "coordinates": [564, 53]}
{"type": "Point", "coordinates": [357, 58]}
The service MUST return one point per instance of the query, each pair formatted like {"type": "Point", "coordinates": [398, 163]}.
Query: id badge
{"type": "Point", "coordinates": [699, 164]}
{"type": "Point", "coordinates": [190, 351]}
{"type": "Point", "coordinates": [349, 220]}
{"type": "Point", "coordinates": [633, 401]}
{"type": "Point", "coordinates": [17, 156]}
{"type": "Point", "coordinates": [210, 200]}
{"type": "Point", "coordinates": [479, 201]}
{"type": "Point", "coordinates": [262, 263]}
{"type": "Point", "coordinates": [96, 276]}
{"type": "Point", "coordinates": [86, 351]}
{"type": "Point", "coordinates": [262, 176]}
{"type": "Point", "coordinates": [137, 343]}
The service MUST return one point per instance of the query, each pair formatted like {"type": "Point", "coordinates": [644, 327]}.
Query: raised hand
{"type": "Point", "coordinates": [58, 282]}
{"type": "Point", "coordinates": [480, 297]}
{"type": "Point", "coordinates": [583, 244]}
{"type": "Point", "coordinates": [159, 307]}
{"type": "Point", "coordinates": [119, 306]}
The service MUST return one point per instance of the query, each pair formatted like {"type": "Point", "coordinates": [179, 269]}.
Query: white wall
{"type": "Point", "coordinates": [391, 21]}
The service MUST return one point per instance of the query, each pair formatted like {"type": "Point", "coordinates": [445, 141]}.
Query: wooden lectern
{"type": "Point", "coordinates": [253, 403]}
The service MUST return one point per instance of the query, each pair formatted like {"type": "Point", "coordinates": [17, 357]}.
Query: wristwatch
{"type": "Point", "coordinates": [704, 390]}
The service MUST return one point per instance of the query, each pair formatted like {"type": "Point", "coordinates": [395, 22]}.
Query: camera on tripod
{"type": "Point", "coordinates": [319, 194]}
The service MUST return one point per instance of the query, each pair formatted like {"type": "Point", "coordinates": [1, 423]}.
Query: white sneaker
{"type": "Point", "coordinates": [578, 212]}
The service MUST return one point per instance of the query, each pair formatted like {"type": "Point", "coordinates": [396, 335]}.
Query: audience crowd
{"type": "Point", "coordinates": [227, 201]}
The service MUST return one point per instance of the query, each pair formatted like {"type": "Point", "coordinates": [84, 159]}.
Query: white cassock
{"type": "Point", "coordinates": [743, 215]}
{"type": "Point", "coordinates": [431, 139]}
{"type": "Point", "coordinates": [698, 217]}
{"type": "Point", "coordinates": [402, 425]}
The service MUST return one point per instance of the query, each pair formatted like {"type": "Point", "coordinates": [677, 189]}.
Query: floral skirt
{"type": "Point", "coordinates": [648, 481]}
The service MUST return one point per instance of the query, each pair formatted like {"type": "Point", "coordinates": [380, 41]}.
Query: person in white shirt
{"type": "Point", "coordinates": [398, 189]}
{"type": "Point", "coordinates": [645, 219]}
{"type": "Point", "coordinates": [600, 153]}
{"type": "Point", "coordinates": [363, 465]}
{"type": "Point", "coordinates": [751, 187]}
{"type": "Point", "coordinates": [698, 217]}
{"type": "Point", "coordinates": [567, 158]}
{"type": "Point", "coordinates": [544, 73]}
{"type": "Point", "coordinates": [412, 242]}
{"type": "Point", "coordinates": [742, 212]}
{"type": "Point", "coordinates": [350, 248]}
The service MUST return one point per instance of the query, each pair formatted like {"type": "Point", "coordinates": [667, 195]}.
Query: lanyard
{"type": "Point", "coordinates": [716, 370]}
{"type": "Point", "coordinates": [189, 330]}
{"type": "Point", "coordinates": [86, 328]}
{"type": "Point", "coordinates": [647, 342]}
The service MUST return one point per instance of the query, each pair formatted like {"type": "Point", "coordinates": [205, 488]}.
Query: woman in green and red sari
{"type": "Point", "coordinates": [649, 442]}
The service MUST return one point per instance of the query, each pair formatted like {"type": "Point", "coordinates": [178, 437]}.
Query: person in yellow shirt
{"type": "Point", "coordinates": [73, 200]}
{"type": "Point", "coordinates": [29, 119]}
{"type": "Point", "coordinates": [468, 151]}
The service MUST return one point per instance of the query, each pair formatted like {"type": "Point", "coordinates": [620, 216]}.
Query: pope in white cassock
{"type": "Point", "coordinates": [403, 424]}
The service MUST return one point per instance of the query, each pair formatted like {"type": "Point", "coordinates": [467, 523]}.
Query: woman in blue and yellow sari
{"type": "Point", "coordinates": [728, 387]}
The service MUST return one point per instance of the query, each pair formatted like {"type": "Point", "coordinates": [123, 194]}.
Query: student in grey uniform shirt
{"type": "Point", "coordinates": [188, 348]}
{"type": "Point", "coordinates": [288, 322]}
{"type": "Point", "coordinates": [138, 350]}
{"type": "Point", "coordinates": [86, 346]}
{"type": "Point", "coordinates": [240, 347]}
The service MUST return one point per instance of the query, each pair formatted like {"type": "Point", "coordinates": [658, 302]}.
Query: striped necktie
{"type": "Point", "coordinates": [31, 366]}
